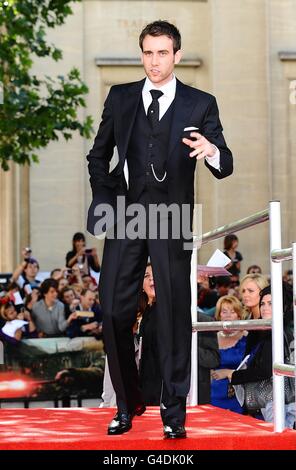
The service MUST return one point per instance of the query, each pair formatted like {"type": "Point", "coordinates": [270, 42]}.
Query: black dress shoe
{"type": "Point", "coordinates": [121, 423]}
{"type": "Point", "coordinates": [139, 410]}
{"type": "Point", "coordinates": [174, 432]}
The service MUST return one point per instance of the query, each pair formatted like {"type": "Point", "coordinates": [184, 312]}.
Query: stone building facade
{"type": "Point", "coordinates": [244, 52]}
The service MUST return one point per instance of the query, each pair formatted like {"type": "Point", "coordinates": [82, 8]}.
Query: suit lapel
{"type": "Point", "coordinates": [129, 109]}
{"type": "Point", "coordinates": [183, 108]}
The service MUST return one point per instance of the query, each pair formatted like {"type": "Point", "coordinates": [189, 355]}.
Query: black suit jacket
{"type": "Point", "coordinates": [192, 108]}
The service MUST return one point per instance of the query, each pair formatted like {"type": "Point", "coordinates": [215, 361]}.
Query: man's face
{"type": "Point", "coordinates": [88, 300]}
{"type": "Point", "coordinates": [51, 295]}
{"type": "Point", "coordinates": [31, 270]}
{"type": "Point", "coordinates": [158, 59]}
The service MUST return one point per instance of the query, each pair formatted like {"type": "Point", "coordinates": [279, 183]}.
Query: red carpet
{"type": "Point", "coordinates": [85, 429]}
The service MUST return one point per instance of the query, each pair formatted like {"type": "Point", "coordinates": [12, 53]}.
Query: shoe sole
{"type": "Point", "coordinates": [115, 433]}
{"type": "Point", "coordinates": [174, 437]}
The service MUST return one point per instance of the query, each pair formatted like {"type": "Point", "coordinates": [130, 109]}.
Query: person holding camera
{"type": "Point", "coordinates": [86, 258]}
{"type": "Point", "coordinates": [26, 272]}
{"type": "Point", "coordinates": [17, 325]}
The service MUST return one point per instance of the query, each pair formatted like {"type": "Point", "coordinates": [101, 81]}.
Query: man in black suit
{"type": "Point", "coordinates": [146, 121]}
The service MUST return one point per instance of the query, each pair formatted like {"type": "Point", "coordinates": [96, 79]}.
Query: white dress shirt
{"type": "Point", "coordinates": [169, 91]}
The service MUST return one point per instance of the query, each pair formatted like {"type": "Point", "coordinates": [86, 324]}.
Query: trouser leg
{"type": "Point", "coordinates": [173, 299]}
{"type": "Point", "coordinates": [119, 317]}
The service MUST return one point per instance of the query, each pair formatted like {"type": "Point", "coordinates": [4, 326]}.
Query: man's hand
{"type": "Point", "coordinates": [202, 147]}
{"type": "Point", "coordinates": [89, 326]}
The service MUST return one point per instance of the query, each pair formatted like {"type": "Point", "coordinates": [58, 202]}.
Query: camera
{"type": "Point", "coordinates": [88, 251]}
{"type": "Point", "coordinates": [28, 253]}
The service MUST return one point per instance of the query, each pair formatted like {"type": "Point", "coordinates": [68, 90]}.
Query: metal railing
{"type": "Point", "coordinates": [233, 325]}
{"type": "Point", "coordinates": [242, 224]}
{"type": "Point", "coordinates": [277, 255]}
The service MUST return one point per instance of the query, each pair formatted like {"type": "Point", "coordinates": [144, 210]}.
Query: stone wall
{"type": "Point", "coordinates": [230, 49]}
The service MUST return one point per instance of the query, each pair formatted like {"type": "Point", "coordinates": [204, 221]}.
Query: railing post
{"type": "Point", "coordinates": [294, 308]}
{"type": "Point", "coordinates": [193, 394]}
{"type": "Point", "coordinates": [1, 353]}
{"type": "Point", "coordinates": [277, 316]}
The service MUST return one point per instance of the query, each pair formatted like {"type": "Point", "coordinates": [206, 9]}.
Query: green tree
{"type": "Point", "coordinates": [35, 110]}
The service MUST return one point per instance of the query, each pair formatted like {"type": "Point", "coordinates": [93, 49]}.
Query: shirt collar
{"type": "Point", "coordinates": [169, 89]}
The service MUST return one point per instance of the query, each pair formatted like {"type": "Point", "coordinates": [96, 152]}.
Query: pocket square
{"type": "Point", "coordinates": [191, 129]}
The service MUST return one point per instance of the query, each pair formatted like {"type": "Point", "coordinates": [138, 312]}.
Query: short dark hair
{"type": "Point", "coordinates": [287, 301]}
{"type": "Point", "coordinates": [228, 241]}
{"type": "Point", "coordinates": [256, 267]}
{"type": "Point", "coordinates": [66, 289]}
{"type": "Point", "coordinates": [223, 281]}
{"type": "Point", "coordinates": [31, 261]}
{"type": "Point", "coordinates": [85, 291]}
{"type": "Point", "coordinates": [54, 271]}
{"type": "Point", "coordinates": [47, 284]}
{"type": "Point", "coordinates": [162, 28]}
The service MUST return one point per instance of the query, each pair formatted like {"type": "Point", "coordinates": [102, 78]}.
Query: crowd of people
{"type": "Point", "coordinates": [64, 304]}
{"type": "Point", "coordinates": [67, 304]}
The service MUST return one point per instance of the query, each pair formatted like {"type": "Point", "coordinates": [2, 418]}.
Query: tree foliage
{"type": "Point", "coordinates": [35, 110]}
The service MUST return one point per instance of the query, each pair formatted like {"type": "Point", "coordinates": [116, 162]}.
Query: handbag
{"type": "Point", "coordinates": [258, 394]}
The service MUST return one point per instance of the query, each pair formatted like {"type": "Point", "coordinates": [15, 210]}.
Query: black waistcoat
{"type": "Point", "coordinates": [148, 147]}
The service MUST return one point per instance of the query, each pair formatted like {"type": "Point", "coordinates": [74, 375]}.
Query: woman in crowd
{"type": "Point", "coordinates": [254, 269]}
{"type": "Point", "coordinates": [17, 325]}
{"type": "Point", "coordinates": [232, 346]}
{"type": "Point", "coordinates": [85, 258]}
{"type": "Point", "coordinates": [230, 250]}
{"type": "Point", "coordinates": [260, 361]}
{"type": "Point", "coordinates": [150, 374]}
{"type": "Point", "coordinates": [250, 288]}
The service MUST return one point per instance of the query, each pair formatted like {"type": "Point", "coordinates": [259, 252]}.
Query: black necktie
{"type": "Point", "coordinates": [153, 110]}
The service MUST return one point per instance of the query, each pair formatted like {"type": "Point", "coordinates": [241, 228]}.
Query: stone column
{"type": "Point", "coordinates": [14, 215]}
{"type": "Point", "coordinates": [288, 60]}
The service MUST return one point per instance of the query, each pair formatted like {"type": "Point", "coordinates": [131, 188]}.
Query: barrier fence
{"type": "Point", "coordinates": [277, 256]}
